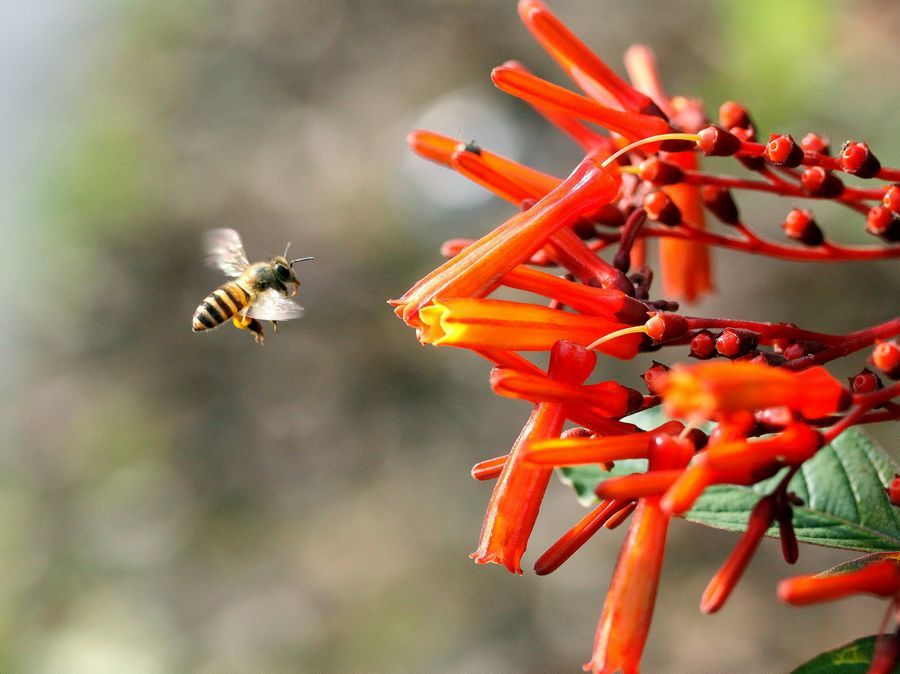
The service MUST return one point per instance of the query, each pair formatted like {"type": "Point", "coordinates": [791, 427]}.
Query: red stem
{"type": "Point", "coordinates": [759, 246]}
{"type": "Point", "coordinates": [864, 403]}
{"type": "Point", "coordinates": [853, 341]}
{"type": "Point", "coordinates": [766, 331]}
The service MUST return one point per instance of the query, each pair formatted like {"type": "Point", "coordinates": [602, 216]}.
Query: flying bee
{"type": "Point", "coordinates": [259, 291]}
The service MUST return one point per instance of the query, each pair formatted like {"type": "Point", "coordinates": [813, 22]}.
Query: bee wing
{"type": "Point", "coordinates": [270, 305]}
{"type": "Point", "coordinates": [225, 251]}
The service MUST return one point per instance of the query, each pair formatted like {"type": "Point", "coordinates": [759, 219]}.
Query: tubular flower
{"type": "Point", "coordinates": [517, 495]}
{"type": "Point", "coordinates": [628, 609]}
{"type": "Point", "coordinates": [477, 270]}
{"type": "Point", "coordinates": [713, 388]}
{"type": "Point", "coordinates": [685, 265]}
{"type": "Point", "coordinates": [515, 326]}
{"type": "Point", "coordinates": [879, 578]}
{"type": "Point", "coordinates": [608, 398]}
{"type": "Point", "coordinates": [724, 581]}
{"type": "Point", "coordinates": [602, 449]}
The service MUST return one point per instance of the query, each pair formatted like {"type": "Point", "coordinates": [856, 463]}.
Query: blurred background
{"type": "Point", "coordinates": [173, 501]}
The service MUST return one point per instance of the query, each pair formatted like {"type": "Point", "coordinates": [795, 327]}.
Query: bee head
{"type": "Point", "coordinates": [284, 268]}
{"type": "Point", "coordinates": [283, 271]}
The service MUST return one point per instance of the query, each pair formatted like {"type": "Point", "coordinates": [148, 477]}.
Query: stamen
{"type": "Point", "coordinates": [618, 333]}
{"type": "Point", "coordinates": [646, 141]}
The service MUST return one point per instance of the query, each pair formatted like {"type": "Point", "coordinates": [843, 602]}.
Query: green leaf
{"type": "Point", "coordinates": [842, 487]}
{"type": "Point", "coordinates": [860, 562]}
{"type": "Point", "coordinates": [848, 659]}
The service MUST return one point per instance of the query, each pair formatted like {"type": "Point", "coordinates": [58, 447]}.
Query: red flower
{"type": "Point", "coordinates": [517, 496]}
{"type": "Point", "coordinates": [709, 389]}
{"type": "Point", "coordinates": [879, 578]}
{"type": "Point", "coordinates": [515, 326]}
{"type": "Point", "coordinates": [478, 269]}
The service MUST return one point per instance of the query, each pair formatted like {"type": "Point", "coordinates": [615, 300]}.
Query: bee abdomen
{"type": "Point", "coordinates": [220, 305]}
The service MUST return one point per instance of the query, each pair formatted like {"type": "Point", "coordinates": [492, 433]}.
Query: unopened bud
{"type": "Point", "coordinates": [882, 223]}
{"type": "Point", "coordinates": [782, 150]}
{"type": "Point", "coordinates": [734, 342]}
{"type": "Point", "coordinates": [813, 142]}
{"type": "Point", "coordinates": [655, 377]}
{"type": "Point", "coordinates": [703, 345]}
{"type": "Point", "coordinates": [717, 142]}
{"type": "Point", "coordinates": [766, 358]}
{"type": "Point", "coordinates": [802, 348]}
{"type": "Point", "coordinates": [865, 382]}
{"type": "Point", "coordinates": [857, 159]}
{"type": "Point", "coordinates": [893, 491]}
{"type": "Point", "coordinates": [891, 199]}
{"type": "Point", "coordinates": [800, 225]}
{"type": "Point", "coordinates": [886, 357]}
{"type": "Point", "coordinates": [732, 114]}
{"type": "Point", "coordinates": [662, 209]}
{"type": "Point", "coordinates": [720, 203]}
{"type": "Point", "coordinates": [659, 172]}
{"type": "Point", "coordinates": [664, 326]}
{"type": "Point", "coordinates": [818, 182]}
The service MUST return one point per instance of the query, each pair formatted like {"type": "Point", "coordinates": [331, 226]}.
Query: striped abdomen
{"type": "Point", "coordinates": [221, 304]}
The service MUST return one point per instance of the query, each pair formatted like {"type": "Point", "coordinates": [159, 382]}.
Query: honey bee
{"type": "Point", "coordinates": [259, 291]}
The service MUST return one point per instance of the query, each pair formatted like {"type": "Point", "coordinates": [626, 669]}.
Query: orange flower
{"type": "Point", "coordinates": [628, 609]}
{"type": "Point", "coordinates": [603, 449]}
{"type": "Point", "coordinates": [477, 270]}
{"type": "Point", "coordinates": [717, 387]}
{"type": "Point", "coordinates": [727, 577]}
{"type": "Point", "coordinates": [585, 68]}
{"type": "Point", "coordinates": [519, 490]}
{"type": "Point", "coordinates": [633, 126]}
{"type": "Point", "coordinates": [501, 324]}
{"type": "Point", "coordinates": [879, 578]}
{"type": "Point", "coordinates": [608, 398]}
{"type": "Point", "coordinates": [794, 445]}
{"type": "Point", "coordinates": [577, 536]}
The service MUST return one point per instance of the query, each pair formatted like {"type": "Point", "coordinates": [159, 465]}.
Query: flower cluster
{"type": "Point", "coordinates": [764, 397]}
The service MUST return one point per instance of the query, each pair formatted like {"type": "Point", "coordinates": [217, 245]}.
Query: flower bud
{"type": "Point", "coordinates": [663, 326]}
{"type": "Point", "coordinates": [801, 348]}
{"type": "Point", "coordinates": [662, 209]}
{"type": "Point", "coordinates": [659, 172]}
{"type": "Point", "coordinates": [732, 114]}
{"type": "Point", "coordinates": [893, 490]}
{"type": "Point", "coordinates": [857, 159]}
{"type": "Point", "coordinates": [886, 357]}
{"type": "Point", "coordinates": [882, 223]}
{"type": "Point", "coordinates": [800, 225]}
{"type": "Point", "coordinates": [818, 182]}
{"type": "Point", "coordinates": [734, 342]}
{"type": "Point", "coordinates": [813, 142]}
{"type": "Point", "coordinates": [766, 358]}
{"type": "Point", "coordinates": [891, 199]}
{"type": "Point", "coordinates": [720, 203]}
{"type": "Point", "coordinates": [717, 142]}
{"type": "Point", "coordinates": [782, 150]}
{"type": "Point", "coordinates": [655, 377]}
{"type": "Point", "coordinates": [865, 382]}
{"type": "Point", "coordinates": [703, 345]}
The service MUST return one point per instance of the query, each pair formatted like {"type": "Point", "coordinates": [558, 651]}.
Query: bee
{"type": "Point", "coordinates": [259, 291]}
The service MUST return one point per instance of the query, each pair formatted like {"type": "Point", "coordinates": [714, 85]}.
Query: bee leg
{"type": "Point", "coordinates": [275, 326]}
{"type": "Point", "coordinates": [251, 324]}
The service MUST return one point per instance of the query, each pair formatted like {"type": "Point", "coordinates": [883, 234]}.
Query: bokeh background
{"type": "Point", "coordinates": [180, 502]}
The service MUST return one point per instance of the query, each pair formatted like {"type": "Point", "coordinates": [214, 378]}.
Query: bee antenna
{"type": "Point", "coordinates": [301, 259]}
{"type": "Point", "coordinates": [286, 249]}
